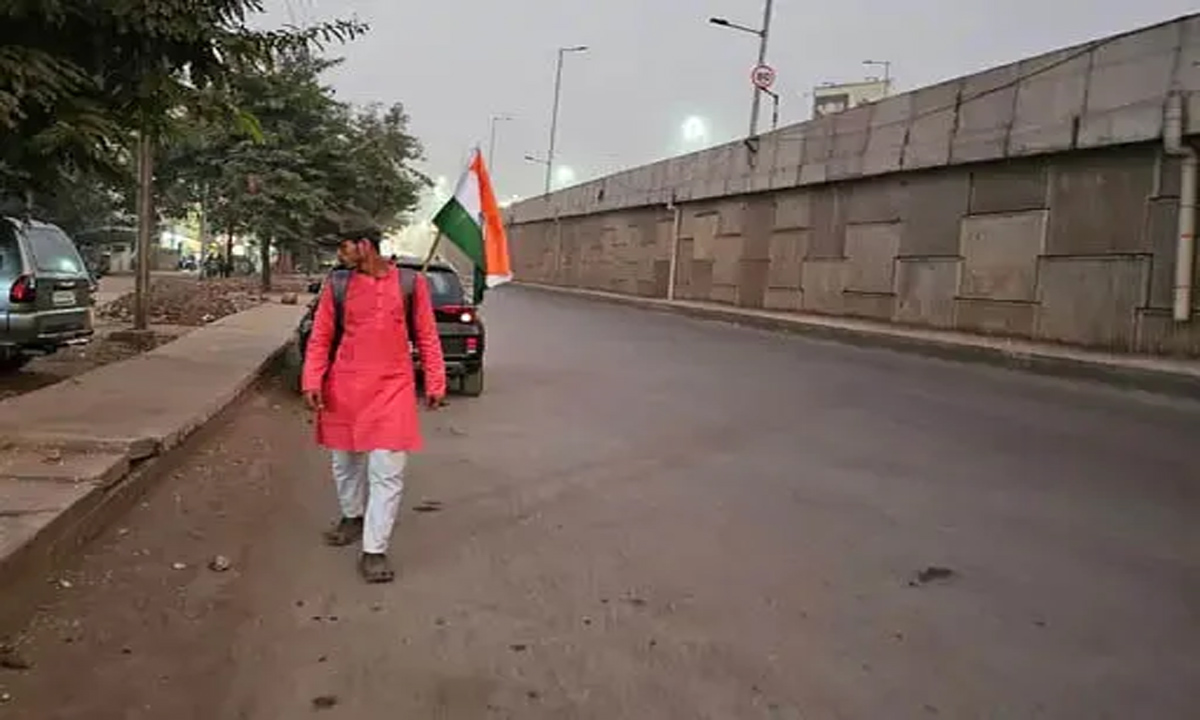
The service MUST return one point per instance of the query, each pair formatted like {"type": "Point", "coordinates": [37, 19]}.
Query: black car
{"type": "Point", "coordinates": [459, 327]}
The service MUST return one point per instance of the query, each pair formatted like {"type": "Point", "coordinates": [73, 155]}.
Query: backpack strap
{"type": "Point", "coordinates": [339, 282]}
{"type": "Point", "coordinates": [408, 282]}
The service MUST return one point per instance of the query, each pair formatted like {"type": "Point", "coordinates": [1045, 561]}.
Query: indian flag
{"type": "Point", "coordinates": [471, 220]}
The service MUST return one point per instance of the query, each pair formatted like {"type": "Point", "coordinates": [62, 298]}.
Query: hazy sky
{"type": "Point", "coordinates": [654, 63]}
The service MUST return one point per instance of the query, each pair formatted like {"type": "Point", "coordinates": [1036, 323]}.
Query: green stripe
{"type": "Point", "coordinates": [460, 228]}
{"type": "Point", "coordinates": [478, 286]}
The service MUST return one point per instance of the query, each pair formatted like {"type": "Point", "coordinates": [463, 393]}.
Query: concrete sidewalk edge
{"type": "Point", "coordinates": [1073, 363]}
{"type": "Point", "coordinates": [23, 572]}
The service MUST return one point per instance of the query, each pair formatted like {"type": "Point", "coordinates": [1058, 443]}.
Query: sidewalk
{"type": "Point", "coordinates": [112, 287]}
{"type": "Point", "coordinates": [1155, 374]}
{"type": "Point", "coordinates": [69, 451]}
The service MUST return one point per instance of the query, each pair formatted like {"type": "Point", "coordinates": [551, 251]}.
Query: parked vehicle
{"type": "Point", "coordinates": [459, 326]}
{"type": "Point", "coordinates": [46, 292]}
{"type": "Point", "coordinates": [97, 259]}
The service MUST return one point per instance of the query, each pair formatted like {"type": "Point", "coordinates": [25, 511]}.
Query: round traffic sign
{"type": "Point", "coordinates": [762, 76]}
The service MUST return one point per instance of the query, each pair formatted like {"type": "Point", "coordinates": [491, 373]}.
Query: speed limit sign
{"type": "Point", "coordinates": [763, 77]}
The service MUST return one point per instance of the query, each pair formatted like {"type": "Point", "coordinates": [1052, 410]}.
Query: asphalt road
{"type": "Point", "coordinates": [647, 516]}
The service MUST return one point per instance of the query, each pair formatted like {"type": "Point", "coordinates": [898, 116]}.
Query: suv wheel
{"type": "Point", "coordinates": [13, 363]}
{"type": "Point", "coordinates": [472, 383]}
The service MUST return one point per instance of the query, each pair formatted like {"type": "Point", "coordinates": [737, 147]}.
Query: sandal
{"type": "Point", "coordinates": [375, 569]}
{"type": "Point", "coordinates": [344, 532]}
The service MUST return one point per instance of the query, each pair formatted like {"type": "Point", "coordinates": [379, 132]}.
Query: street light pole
{"type": "Point", "coordinates": [492, 137]}
{"type": "Point", "coordinates": [491, 156]}
{"type": "Point", "coordinates": [887, 73]}
{"type": "Point", "coordinates": [554, 111]}
{"type": "Point", "coordinates": [764, 34]}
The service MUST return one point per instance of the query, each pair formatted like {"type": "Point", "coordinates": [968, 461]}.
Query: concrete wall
{"type": "Point", "coordinates": [1031, 200]}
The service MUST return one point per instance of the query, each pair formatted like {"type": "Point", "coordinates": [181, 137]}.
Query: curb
{"type": "Point", "coordinates": [134, 470]}
{"type": "Point", "coordinates": [1078, 366]}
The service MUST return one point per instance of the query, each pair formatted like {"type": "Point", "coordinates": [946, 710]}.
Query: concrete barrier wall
{"type": "Point", "coordinates": [1031, 200]}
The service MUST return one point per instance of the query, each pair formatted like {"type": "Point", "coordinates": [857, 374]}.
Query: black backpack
{"type": "Point", "coordinates": [339, 283]}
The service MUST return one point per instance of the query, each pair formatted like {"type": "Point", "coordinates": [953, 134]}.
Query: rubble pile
{"type": "Point", "coordinates": [188, 301]}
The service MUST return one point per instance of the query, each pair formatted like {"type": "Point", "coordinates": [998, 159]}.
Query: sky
{"type": "Point", "coordinates": [654, 68]}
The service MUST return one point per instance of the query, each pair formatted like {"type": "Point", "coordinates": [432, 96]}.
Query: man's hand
{"type": "Point", "coordinates": [314, 401]}
{"type": "Point", "coordinates": [433, 402]}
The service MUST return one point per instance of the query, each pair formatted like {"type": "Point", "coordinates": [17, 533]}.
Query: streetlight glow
{"type": "Point", "coordinates": [564, 175]}
{"type": "Point", "coordinates": [694, 134]}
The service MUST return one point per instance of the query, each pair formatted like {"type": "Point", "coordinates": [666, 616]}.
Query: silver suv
{"type": "Point", "coordinates": [46, 292]}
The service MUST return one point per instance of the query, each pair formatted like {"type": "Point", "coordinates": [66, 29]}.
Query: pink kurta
{"type": "Point", "coordinates": [370, 391]}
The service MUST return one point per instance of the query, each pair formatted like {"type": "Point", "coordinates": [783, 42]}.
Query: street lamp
{"type": "Point", "coordinates": [491, 156]}
{"type": "Point", "coordinates": [887, 72]}
{"type": "Point", "coordinates": [763, 34]}
{"type": "Point", "coordinates": [492, 137]}
{"type": "Point", "coordinates": [562, 51]}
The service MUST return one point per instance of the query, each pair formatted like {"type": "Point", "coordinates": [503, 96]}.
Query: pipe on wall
{"type": "Point", "coordinates": [673, 261]}
{"type": "Point", "coordinates": [1185, 241]}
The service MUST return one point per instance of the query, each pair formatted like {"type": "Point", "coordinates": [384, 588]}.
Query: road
{"type": "Point", "coordinates": [648, 516]}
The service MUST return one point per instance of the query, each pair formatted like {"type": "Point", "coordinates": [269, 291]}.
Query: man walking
{"type": "Point", "coordinates": [358, 377]}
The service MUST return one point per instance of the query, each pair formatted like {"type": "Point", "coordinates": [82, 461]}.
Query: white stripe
{"type": "Point", "coordinates": [494, 280]}
{"type": "Point", "coordinates": [467, 195]}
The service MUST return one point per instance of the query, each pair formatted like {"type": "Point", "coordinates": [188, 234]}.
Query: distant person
{"type": "Point", "coordinates": [363, 390]}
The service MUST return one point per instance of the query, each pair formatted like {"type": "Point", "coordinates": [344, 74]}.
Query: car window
{"type": "Point", "coordinates": [10, 256]}
{"type": "Point", "coordinates": [53, 251]}
{"type": "Point", "coordinates": [445, 288]}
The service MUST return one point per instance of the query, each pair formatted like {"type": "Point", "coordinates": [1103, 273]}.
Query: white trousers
{"type": "Point", "coordinates": [370, 485]}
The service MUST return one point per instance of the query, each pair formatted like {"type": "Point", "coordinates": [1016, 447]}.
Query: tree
{"type": "Point", "coordinates": [313, 159]}
{"type": "Point", "coordinates": [216, 165]}
{"type": "Point", "coordinates": [379, 181]}
{"type": "Point", "coordinates": [83, 203]}
{"type": "Point", "coordinates": [81, 79]}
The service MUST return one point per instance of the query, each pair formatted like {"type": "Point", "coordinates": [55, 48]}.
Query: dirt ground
{"type": "Point", "coordinates": [187, 300]}
{"type": "Point", "coordinates": [140, 627]}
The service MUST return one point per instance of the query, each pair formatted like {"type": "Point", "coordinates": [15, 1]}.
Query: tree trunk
{"type": "Point", "coordinates": [145, 211]}
{"type": "Point", "coordinates": [227, 266]}
{"type": "Point", "coordinates": [264, 258]}
{"type": "Point", "coordinates": [203, 209]}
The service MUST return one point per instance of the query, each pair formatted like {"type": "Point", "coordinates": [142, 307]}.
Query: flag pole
{"type": "Point", "coordinates": [432, 251]}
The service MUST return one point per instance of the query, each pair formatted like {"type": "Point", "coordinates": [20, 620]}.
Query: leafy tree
{"type": "Point", "coordinates": [78, 76]}
{"type": "Point", "coordinates": [378, 180]}
{"type": "Point", "coordinates": [80, 79]}
{"type": "Point", "coordinates": [313, 160]}
{"type": "Point", "coordinates": [83, 204]}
